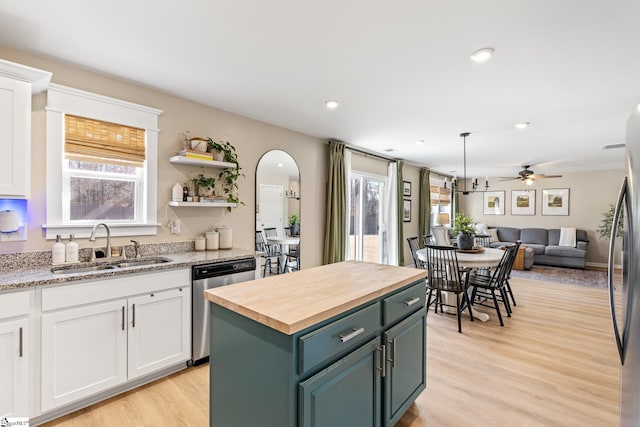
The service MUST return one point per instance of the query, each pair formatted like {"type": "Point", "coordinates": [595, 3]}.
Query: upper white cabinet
{"type": "Point", "coordinates": [17, 84]}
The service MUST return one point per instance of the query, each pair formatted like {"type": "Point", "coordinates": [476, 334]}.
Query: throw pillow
{"type": "Point", "coordinates": [481, 228]}
{"type": "Point", "coordinates": [493, 233]}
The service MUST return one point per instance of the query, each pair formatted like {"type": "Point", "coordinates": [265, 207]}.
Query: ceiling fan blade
{"type": "Point", "coordinates": [548, 176]}
{"type": "Point", "coordinates": [509, 178]}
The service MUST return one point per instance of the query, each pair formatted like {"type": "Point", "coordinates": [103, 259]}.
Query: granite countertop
{"type": "Point", "coordinates": [281, 303]}
{"type": "Point", "coordinates": [24, 277]}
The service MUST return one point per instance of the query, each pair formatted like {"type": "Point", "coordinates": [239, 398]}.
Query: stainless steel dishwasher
{"type": "Point", "coordinates": [209, 276]}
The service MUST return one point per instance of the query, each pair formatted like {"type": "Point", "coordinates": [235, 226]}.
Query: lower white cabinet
{"type": "Point", "coordinates": [14, 354]}
{"type": "Point", "coordinates": [96, 346]}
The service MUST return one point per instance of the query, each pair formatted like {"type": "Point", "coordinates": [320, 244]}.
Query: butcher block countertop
{"type": "Point", "coordinates": [292, 302]}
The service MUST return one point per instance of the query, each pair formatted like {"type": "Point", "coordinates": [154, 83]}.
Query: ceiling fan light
{"type": "Point", "coordinates": [528, 181]}
{"type": "Point", "coordinates": [482, 55]}
{"type": "Point", "coordinates": [522, 125]}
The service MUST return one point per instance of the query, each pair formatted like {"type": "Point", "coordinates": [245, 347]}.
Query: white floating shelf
{"type": "Point", "coordinates": [197, 162]}
{"type": "Point", "coordinates": [203, 204]}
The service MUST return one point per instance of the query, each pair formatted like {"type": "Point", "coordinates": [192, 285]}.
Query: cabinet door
{"type": "Point", "coordinates": [14, 369]}
{"type": "Point", "coordinates": [406, 372]}
{"type": "Point", "coordinates": [159, 330]}
{"type": "Point", "coordinates": [15, 131]}
{"type": "Point", "coordinates": [84, 351]}
{"type": "Point", "coordinates": [346, 394]}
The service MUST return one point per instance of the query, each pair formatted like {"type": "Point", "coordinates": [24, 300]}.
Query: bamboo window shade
{"type": "Point", "coordinates": [98, 141]}
{"type": "Point", "coordinates": [440, 195]}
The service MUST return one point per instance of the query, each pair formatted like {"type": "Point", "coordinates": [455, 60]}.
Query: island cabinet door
{"type": "Point", "coordinates": [159, 331]}
{"type": "Point", "coordinates": [84, 351]}
{"type": "Point", "coordinates": [347, 393]}
{"type": "Point", "coordinates": [406, 369]}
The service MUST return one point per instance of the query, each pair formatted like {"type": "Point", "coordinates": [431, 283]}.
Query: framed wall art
{"type": "Point", "coordinates": [406, 188]}
{"type": "Point", "coordinates": [523, 202]}
{"type": "Point", "coordinates": [555, 201]}
{"type": "Point", "coordinates": [493, 203]}
{"type": "Point", "coordinates": [406, 210]}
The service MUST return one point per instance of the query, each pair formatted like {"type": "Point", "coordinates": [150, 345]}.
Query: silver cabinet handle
{"type": "Point", "coordinates": [622, 197]}
{"type": "Point", "coordinates": [133, 315]}
{"type": "Point", "coordinates": [410, 302]}
{"type": "Point", "coordinates": [383, 361]}
{"type": "Point", "coordinates": [393, 353]}
{"type": "Point", "coordinates": [355, 333]}
{"type": "Point", "coordinates": [20, 335]}
{"type": "Point", "coordinates": [122, 324]}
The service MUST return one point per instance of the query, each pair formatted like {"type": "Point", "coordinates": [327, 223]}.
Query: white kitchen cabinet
{"type": "Point", "coordinates": [17, 84]}
{"type": "Point", "coordinates": [159, 331]}
{"type": "Point", "coordinates": [14, 354]}
{"type": "Point", "coordinates": [100, 334]}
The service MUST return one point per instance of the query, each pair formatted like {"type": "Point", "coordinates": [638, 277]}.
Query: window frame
{"type": "Point", "coordinates": [63, 100]}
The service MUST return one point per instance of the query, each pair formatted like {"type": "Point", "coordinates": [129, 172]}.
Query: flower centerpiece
{"type": "Point", "coordinates": [464, 228]}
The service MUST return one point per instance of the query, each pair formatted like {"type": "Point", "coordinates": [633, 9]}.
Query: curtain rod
{"type": "Point", "coordinates": [366, 153]}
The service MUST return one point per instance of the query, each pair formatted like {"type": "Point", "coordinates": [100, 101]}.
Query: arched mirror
{"type": "Point", "coordinates": [278, 199]}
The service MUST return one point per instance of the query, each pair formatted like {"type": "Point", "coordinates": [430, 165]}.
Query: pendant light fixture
{"type": "Point", "coordinates": [474, 183]}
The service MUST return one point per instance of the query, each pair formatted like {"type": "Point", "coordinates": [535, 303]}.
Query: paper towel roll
{"type": "Point", "coordinates": [9, 221]}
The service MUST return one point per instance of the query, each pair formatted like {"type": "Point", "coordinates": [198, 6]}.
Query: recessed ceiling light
{"type": "Point", "coordinates": [419, 141]}
{"type": "Point", "coordinates": [522, 125]}
{"type": "Point", "coordinates": [280, 165]}
{"type": "Point", "coordinates": [483, 54]}
{"type": "Point", "coordinates": [331, 104]}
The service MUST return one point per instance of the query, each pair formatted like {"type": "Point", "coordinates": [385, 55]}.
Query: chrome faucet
{"type": "Point", "coordinates": [136, 247]}
{"type": "Point", "coordinates": [92, 238]}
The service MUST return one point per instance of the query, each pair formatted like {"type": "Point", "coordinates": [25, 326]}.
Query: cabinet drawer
{"type": "Point", "coordinates": [403, 303]}
{"type": "Point", "coordinates": [338, 337]}
{"type": "Point", "coordinates": [14, 304]}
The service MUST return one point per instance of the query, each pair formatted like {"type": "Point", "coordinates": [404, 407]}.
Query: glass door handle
{"type": "Point", "coordinates": [622, 195]}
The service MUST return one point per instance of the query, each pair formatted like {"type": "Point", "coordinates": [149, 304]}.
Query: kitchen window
{"type": "Point", "coordinates": [101, 164]}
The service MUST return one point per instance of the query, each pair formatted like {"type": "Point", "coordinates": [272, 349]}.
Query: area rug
{"type": "Point", "coordinates": [573, 276]}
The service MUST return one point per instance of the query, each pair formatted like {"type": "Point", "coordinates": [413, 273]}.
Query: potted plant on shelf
{"type": "Point", "coordinates": [228, 180]}
{"type": "Point", "coordinates": [204, 185]}
{"type": "Point", "coordinates": [222, 151]}
{"type": "Point", "coordinates": [464, 228]}
{"type": "Point", "coordinates": [294, 224]}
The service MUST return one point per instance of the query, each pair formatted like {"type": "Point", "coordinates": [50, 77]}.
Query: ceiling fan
{"type": "Point", "coordinates": [527, 176]}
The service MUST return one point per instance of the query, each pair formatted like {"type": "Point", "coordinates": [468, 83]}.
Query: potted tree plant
{"type": "Point", "coordinates": [294, 224]}
{"type": "Point", "coordinates": [464, 228]}
{"type": "Point", "coordinates": [604, 228]}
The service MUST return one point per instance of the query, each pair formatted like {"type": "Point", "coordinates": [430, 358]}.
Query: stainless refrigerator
{"type": "Point", "coordinates": [624, 293]}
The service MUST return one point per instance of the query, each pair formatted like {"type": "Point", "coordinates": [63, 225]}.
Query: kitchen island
{"type": "Point", "coordinates": [337, 345]}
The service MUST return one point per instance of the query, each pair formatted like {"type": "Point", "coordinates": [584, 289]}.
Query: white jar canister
{"type": "Point", "coordinates": [226, 237]}
{"type": "Point", "coordinates": [213, 240]}
{"type": "Point", "coordinates": [200, 243]}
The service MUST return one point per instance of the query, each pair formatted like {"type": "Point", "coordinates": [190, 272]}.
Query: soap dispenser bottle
{"type": "Point", "coordinates": [72, 249]}
{"type": "Point", "coordinates": [58, 251]}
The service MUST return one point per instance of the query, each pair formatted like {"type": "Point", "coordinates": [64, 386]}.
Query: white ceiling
{"type": "Point", "coordinates": [400, 70]}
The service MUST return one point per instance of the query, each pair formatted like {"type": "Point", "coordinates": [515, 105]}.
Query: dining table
{"type": "Point", "coordinates": [283, 242]}
{"type": "Point", "coordinates": [475, 258]}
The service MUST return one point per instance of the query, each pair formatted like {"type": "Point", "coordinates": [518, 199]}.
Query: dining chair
{"type": "Point", "coordinates": [483, 240]}
{"type": "Point", "coordinates": [441, 236]}
{"type": "Point", "coordinates": [414, 246]}
{"type": "Point", "coordinates": [507, 285]}
{"type": "Point", "coordinates": [445, 275]}
{"type": "Point", "coordinates": [488, 290]}
{"type": "Point", "coordinates": [268, 254]}
{"type": "Point", "coordinates": [427, 239]}
{"type": "Point", "coordinates": [272, 232]}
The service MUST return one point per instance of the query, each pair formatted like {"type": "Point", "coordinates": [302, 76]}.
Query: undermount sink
{"type": "Point", "coordinates": [86, 269]}
{"type": "Point", "coordinates": [134, 262]}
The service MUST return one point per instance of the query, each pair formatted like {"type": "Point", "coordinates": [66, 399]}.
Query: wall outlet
{"type": "Point", "coordinates": [174, 226]}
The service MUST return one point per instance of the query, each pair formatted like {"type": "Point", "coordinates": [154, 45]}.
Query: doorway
{"type": "Point", "coordinates": [365, 220]}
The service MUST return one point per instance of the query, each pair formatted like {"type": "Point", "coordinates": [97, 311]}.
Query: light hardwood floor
{"type": "Point", "coordinates": [554, 363]}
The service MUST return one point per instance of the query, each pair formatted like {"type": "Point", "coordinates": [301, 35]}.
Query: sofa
{"type": "Point", "coordinates": [542, 243]}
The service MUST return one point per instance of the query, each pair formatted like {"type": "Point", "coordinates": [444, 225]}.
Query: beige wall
{"type": "Point", "coordinates": [590, 195]}
{"type": "Point", "coordinates": [250, 137]}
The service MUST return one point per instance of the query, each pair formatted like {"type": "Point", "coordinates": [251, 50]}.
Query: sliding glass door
{"type": "Point", "coordinates": [365, 225]}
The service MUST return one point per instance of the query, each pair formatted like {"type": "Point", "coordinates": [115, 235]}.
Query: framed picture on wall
{"type": "Point", "coordinates": [555, 201]}
{"type": "Point", "coordinates": [523, 202]}
{"type": "Point", "coordinates": [493, 203]}
{"type": "Point", "coordinates": [406, 188]}
{"type": "Point", "coordinates": [406, 210]}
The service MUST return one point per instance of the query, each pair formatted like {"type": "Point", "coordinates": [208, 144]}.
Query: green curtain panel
{"type": "Point", "coordinates": [400, 243]}
{"type": "Point", "coordinates": [336, 218]}
{"type": "Point", "coordinates": [424, 210]}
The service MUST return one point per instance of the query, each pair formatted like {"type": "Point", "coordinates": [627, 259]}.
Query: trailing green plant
{"type": "Point", "coordinates": [604, 228]}
{"type": "Point", "coordinates": [229, 150]}
{"type": "Point", "coordinates": [463, 224]}
{"type": "Point", "coordinates": [228, 180]}
{"type": "Point", "coordinates": [294, 218]}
